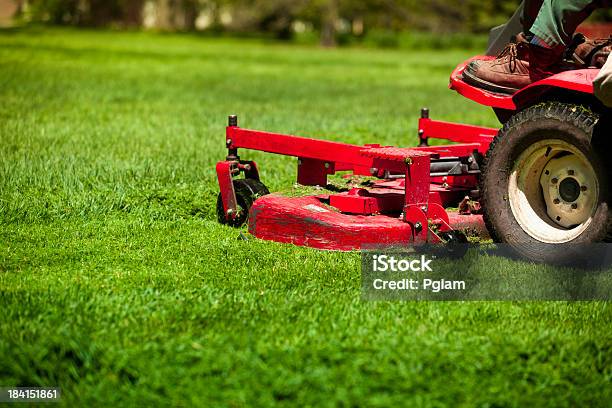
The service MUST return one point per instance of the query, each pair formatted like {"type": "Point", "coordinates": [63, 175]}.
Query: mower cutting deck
{"type": "Point", "coordinates": [407, 204]}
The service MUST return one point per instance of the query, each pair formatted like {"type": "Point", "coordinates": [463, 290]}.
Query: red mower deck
{"type": "Point", "coordinates": [406, 205]}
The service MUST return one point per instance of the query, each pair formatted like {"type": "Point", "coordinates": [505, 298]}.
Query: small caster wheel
{"type": "Point", "coordinates": [247, 191]}
{"type": "Point", "coordinates": [454, 244]}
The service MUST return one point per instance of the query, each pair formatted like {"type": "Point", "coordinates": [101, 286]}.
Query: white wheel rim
{"type": "Point", "coordinates": [553, 191]}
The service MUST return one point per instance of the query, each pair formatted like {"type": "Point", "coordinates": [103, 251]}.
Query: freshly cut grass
{"type": "Point", "coordinates": [118, 285]}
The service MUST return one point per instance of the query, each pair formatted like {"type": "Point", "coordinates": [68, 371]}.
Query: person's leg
{"type": "Point", "coordinates": [540, 51]}
{"type": "Point", "coordinates": [531, 9]}
{"type": "Point", "coordinates": [557, 20]}
{"type": "Point", "coordinates": [552, 32]}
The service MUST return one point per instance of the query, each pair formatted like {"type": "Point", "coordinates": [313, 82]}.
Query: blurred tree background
{"type": "Point", "coordinates": [331, 22]}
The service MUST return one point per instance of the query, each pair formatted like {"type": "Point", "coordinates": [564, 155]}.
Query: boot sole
{"type": "Point", "coordinates": [471, 79]}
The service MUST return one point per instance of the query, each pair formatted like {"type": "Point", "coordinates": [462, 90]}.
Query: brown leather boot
{"type": "Point", "coordinates": [585, 53]}
{"type": "Point", "coordinates": [517, 66]}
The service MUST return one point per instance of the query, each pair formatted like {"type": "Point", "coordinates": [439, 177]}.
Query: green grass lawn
{"type": "Point", "coordinates": [118, 285]}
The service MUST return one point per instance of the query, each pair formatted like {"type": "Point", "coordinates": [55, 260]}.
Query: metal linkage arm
{"type": "Point", "coordinates": [454, 132]}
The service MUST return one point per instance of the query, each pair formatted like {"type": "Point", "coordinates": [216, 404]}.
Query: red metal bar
{"type": "Point", "coordinates": [417, 180]}
{"type": "Point", "coordinates": [417, 195]}
{"type": "Point", "coordinates": [432, 129]}
{"type": "Point", "coordinates": [296, 146]}
{"type": "Point", "coordinates": [226, 186]}
{"type": "Point", "coordinates": [349, 157]}
{"type": "Point", "coordinates": [416, 167]}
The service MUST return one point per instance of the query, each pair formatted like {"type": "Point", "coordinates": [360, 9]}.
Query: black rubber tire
{"type": "Point", "coordinates": [551, 120]}
{"type": "Point", "coordinates": [247, 191]}
{"type": "Point", "coordinates": [455, 245]}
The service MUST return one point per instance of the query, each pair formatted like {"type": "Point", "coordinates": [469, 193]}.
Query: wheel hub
{"type": "Point", "coordinates": [568, 184]}
{"type": "Point", "coordinates": [569, 189]}
{"type": "Point", "coordinates": [553, 191]}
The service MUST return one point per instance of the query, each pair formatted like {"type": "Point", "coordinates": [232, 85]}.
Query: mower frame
{"type": "Point", "coordinates": [405, 205]}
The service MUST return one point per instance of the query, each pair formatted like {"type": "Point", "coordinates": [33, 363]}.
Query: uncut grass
{"type": "Point", "coordinates": [117, 284]}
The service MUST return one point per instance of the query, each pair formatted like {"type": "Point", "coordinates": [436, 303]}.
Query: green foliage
{"type": "Point", "coordinates": [118, 285]}
{"type": "Point", "coordinates": [382, 39]}
{"type": "Point", "coordinates": [277, 16]}
{"type": "Point", "coordinates": [75, 12]}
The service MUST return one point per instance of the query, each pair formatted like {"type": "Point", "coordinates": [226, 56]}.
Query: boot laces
{"type": "Point", "coordinates": [512, 52]}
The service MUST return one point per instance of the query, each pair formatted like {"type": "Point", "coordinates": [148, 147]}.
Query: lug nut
{"type": "Point", "coordinates": [574, 206]}
{"type": "Point", "coordinates": [554, 180]}
{"type": "Point", "coordinates": [583, 188]}
{"type": "Point", "coordinates": [570, 172]}
{"type": "Point", "coordinates": [556, 201]}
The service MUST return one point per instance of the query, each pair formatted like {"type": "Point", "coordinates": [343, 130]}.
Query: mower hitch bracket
{"type": "Point", "coordinates": [231, 167]}
{"type": "Point", "coordinates": [226, 187]}
{"type": "Point", "coordinates": [454, 132]}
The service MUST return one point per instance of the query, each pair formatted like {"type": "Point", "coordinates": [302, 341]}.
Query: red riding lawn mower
{"type": "Point", "coordinates": [539, 184]}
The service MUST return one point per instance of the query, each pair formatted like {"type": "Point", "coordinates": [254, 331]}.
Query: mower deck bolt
{"type": "Point", "coordinates": [556, 201]}
{"type": "Point", "coordinates": [570, 172]}
{"type": "Point", "coordinates": [327, 165]}
{"type": "Point", "coordinates": [418, 226]}
{"type": "Point", "coordinates": [228, 142]}
{"type": "Point", "coordinates": [554, 180]}
{"type": "Point", "coordinates": [229, 211]}
{"type": "Point", "coordinates": [373, 171]}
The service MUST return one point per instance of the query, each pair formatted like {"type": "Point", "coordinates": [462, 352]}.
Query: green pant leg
{"type": "Point", "coordinates": [557, 20]}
